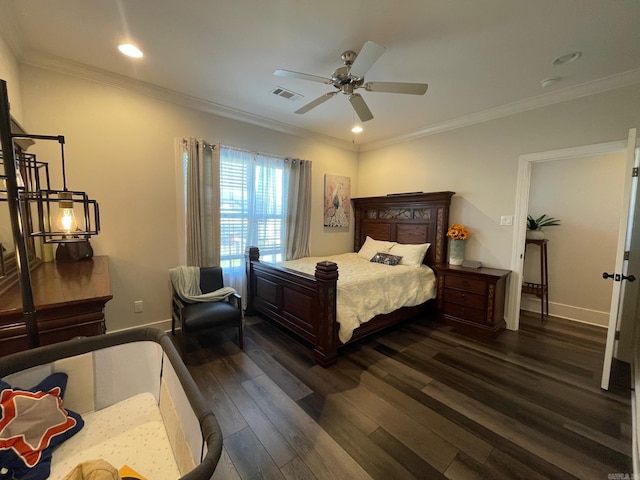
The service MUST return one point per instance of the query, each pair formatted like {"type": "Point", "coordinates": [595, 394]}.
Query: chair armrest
{"type": "Point", "coordinates": [236, 300]}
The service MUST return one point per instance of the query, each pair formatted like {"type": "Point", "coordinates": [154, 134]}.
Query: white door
{"type": "Point", "coordinates": [623, 284]}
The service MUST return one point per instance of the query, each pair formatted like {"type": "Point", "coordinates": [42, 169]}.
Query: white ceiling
{"type": "Point", "coordinates": [481, 59]}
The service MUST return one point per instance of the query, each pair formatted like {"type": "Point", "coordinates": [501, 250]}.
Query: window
{"type": "Point", "coordinates": [253, 201]}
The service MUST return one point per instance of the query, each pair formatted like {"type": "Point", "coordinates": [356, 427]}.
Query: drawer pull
{"type": "Point", "coordinates": [465, 283]}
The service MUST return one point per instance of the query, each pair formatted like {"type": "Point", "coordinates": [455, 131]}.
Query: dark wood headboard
{"type": "Point", "coordinates": [405, 218]}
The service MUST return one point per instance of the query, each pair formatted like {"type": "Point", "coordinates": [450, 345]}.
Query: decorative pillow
{"type": "Point", "coordinates": [386, 258]}
{"type": "Point", "coordinates": [371, 247]}
{"type": "Point", "coordinates": [32, 423]}
{"type": "Point", "coordinates": [412, 254]}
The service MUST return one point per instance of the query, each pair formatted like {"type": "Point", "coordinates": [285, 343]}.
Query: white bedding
{"type": "Point", "coordinates": [367, 289]}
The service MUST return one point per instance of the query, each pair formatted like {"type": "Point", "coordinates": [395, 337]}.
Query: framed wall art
{"type": "Point", "coordinates": [337, 200]}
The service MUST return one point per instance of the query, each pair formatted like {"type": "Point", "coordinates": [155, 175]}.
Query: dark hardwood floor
{"type": "Point", "coordinates": [417, 401]}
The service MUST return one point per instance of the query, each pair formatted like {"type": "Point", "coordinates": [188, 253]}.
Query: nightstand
{"type": "Point", "coordinates": [472, 299]}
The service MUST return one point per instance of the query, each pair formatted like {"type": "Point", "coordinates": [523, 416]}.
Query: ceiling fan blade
{"type": "Point", "coordinates": [369, 54]}
{"type": "Point", "coordinates": [316, 102]}
{"type": "Point", "coordinates": [397, 87]}
{"type": "Point", "coordinates": [302, 76]}
{"type": "Point", "coordinates": [359, 105]}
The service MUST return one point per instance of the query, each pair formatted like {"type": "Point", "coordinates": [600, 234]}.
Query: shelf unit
{"type": "Point", "coordinates": [540, 290]}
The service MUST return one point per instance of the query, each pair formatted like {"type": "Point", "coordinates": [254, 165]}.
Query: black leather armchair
{"type": "Point", "coordinates": [201, 317]}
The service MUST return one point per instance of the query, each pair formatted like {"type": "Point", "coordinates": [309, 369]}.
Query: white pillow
{"type": "Point", "coordinates": [371, 247]}
{"type": "Point", "coordinates": [412, 254]}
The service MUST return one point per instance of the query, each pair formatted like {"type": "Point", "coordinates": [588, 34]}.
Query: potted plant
{"type": "Point", "coordinates": [535, 225]}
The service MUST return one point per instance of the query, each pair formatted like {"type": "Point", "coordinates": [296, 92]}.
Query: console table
{"type": "Point", "coordinates": [69, 300]}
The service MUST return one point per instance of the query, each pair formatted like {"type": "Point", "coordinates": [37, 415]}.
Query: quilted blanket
{"type": "Point", "coordinates": [367, 289]}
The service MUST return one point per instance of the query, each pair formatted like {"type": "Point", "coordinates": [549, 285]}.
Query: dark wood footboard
{"type": "Point", "coordinates": [302, 303]}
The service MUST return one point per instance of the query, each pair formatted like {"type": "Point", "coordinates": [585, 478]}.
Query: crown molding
{"type": "Point", "coordinates": [60, 65]}
{"type": "Point", "coordinates": [612, 82]}
{"type": "Point", "coordinates": [76, 69]}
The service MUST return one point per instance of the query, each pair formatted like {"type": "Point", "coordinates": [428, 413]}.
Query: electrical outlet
{"type": "Point", "coordinates": [138, 306]}
{"type": "Point", "coordinates": [506, 220]}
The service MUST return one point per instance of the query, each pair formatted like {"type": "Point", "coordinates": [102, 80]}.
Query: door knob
{"type": "Point", "coordinates": [619, 277]}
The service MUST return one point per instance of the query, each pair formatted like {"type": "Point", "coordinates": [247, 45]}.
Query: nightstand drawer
{"type": "Point", "coordinates": [470, 314]}
{"type": "Point", "coordinates": [465, 283]}
{"type": "Point", "coordinates": [463, 297]}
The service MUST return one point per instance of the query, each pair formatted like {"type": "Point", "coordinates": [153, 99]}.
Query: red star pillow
{"type": "Point", "coordinates": [32, 423]}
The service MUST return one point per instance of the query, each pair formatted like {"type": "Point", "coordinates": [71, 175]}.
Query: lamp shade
{"type": "Point", "coordinates": [63, 216]}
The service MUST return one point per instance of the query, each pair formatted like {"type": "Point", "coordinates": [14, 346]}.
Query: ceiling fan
{"type": "Point", "coordinates": [348, 78]}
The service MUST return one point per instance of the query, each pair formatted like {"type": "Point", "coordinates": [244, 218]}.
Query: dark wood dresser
{"type": "Point", "coordinates": [472, 299]}
{"type": "Point", "coordinates": [69, 300]}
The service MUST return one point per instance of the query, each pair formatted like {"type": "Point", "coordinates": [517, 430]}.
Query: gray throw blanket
{"type": "Point", "coordinates": [186, 282]}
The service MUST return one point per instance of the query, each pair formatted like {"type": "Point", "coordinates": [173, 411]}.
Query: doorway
{"type": "Point", "coordinates": [526, 163]}
{"type": "Point", "coordinates": [585, 194]}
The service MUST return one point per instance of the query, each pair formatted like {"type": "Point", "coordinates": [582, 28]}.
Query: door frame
{"type": "Point", "coordinates": [523, 185]}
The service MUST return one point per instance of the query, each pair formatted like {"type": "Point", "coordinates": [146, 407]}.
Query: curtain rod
{"type": "Point", "coordinates": [212, 146]}
{"type": "Point", "coordinates": [238, 149]}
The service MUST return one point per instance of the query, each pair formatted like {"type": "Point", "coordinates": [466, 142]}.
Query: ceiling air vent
{"type": "Point", "coordinates": [286, 94]}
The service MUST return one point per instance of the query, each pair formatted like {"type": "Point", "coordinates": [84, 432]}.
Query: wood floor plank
{"type": "Point", "coordinates": [419, 400]}
{"type": "Point", "coordinates": [225, 470]}
{"type": "Point", "coordinates": [322, 455]}
{"type": "Point", "coordinates": [321, 408]}
{"type": "Point", "coordinates": [452, 433]}
{"type": "Point", "coordinates": [559, 454]}
{"type": "Point", "coordinates": [375, 460]}
{"type": "Point", "coordinates": [264, 430]}
{"type": "Point", "coordinates": [405, 456]}
{"type": "Point", "coordinates": [390, 365]}
{"type": "Point", "coordinates": [511, 468]}
{"type": "Point", "coordinates": [297, 470]}
{"type": "Point", "coordinates": [565, 400]}
{"type": "Point", "coordinates": [229, 418]}
{"type": "Point", "coordinates": [276, 371]}
{"type": "Point", "coordinates": [421, 440]}
{"type": "Point", "coordinates": [249, 456]}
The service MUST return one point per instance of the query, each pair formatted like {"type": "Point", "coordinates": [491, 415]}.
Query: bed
{"type": "Point", "coordinates": [306, 304]}
{"type": "Point", "coordinates": [125, 399]}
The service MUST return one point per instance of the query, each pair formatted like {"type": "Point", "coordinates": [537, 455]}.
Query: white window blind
{"type": "Point", "coordinates": [252, 206]}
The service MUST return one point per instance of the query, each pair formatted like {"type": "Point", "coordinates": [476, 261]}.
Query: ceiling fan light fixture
{"type": "Point", "coordinates": [350, 76]}
{"type": "Point", "coordinates": [357, 129]}
{"type": "Point", "coordinates": [130, 50]}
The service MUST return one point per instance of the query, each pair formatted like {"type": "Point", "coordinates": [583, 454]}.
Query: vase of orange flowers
{"type": "Point", "coordinates": [457, 235]}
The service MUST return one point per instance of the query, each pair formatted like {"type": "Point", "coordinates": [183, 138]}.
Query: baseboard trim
{"type": "Point", "coordinates": [162, 325]}
{"type": "Point", "coordinates": [570, 312]}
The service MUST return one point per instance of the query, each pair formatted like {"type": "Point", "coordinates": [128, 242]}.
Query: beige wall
{"type": "Point", "coordinates": [10, 73]}
{"type": "Point", "coordinates": [480, 162]}
{"type": "Point", "coordinates": [120, 150]}
{"type": "Point", "coordinates": [585, 193]}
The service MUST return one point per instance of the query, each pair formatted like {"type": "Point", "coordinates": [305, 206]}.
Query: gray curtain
{"type": "Point", "coordinates": [202, 167]}
{"type": "Point", "coordinates": [298, 208]}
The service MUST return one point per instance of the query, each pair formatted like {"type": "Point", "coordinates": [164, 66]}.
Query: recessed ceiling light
{"type": "Point", "coordinates": [567, 58]}
{"type": "Point", "coordinates": [357, 129]}
{"type": "Point", "coordinates": [547, 82]}
{"type": "Point", "coordinates": [130, 50]}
